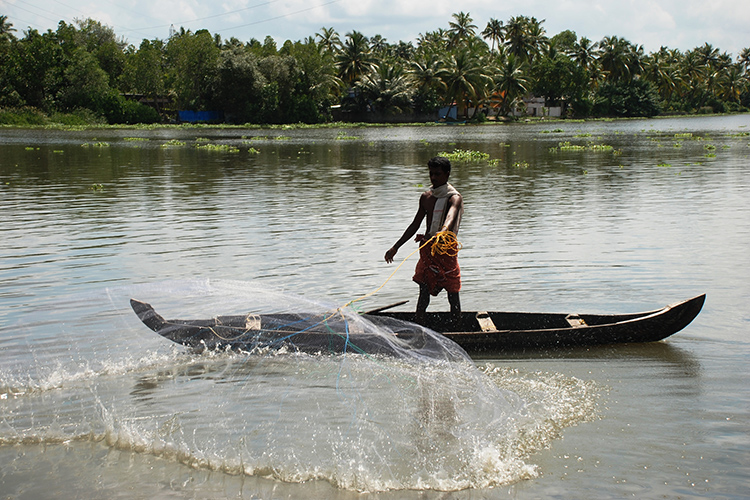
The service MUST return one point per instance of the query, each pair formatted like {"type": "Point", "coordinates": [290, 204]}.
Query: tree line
{"type": "Point", "coordinates": [84, 71]}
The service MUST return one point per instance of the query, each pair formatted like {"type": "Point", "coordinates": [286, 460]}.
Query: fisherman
{"type": "Point", "coordinates": [442, 206]}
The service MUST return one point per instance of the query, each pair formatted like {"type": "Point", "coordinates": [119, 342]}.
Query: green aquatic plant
{"type": "Point", "coordinates": [709, 147]}
{"type": "Point", "coordinates": [684, 135]}
{"type": "Point", "coordinates": [663, 164]}
{"type": "Point", "coordinates": [465, 155]}
{"type": "Point", "coordinates": [173, 142]}
{"type": "Point", "coordinates": [100, 144]}
{"type": "Point", "coordinates": [135, 139]}
{"type": "Point", "coordinates": [567, 146]}
{"type": "Point", "coordinates": [224, 148]}
{"type": "Point", "coordinates": [521, 164]}
{"type": "Point", "coordinates": [253, 151]}
{"type": "Point", "coordinates": [342, 136]}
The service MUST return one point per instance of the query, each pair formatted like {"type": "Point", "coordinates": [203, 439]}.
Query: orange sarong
{"type": "Point", "coordinates": [438, 272]}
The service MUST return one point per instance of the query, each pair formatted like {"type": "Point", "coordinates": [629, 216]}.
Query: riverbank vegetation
{"type": "Point", "coordinates": [83, 73]}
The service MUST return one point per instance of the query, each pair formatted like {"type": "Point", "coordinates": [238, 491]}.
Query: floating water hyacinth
{"type": "Point", "coordinates": [224, 148]}
{"type": "Point", "coordinates": [465, 155]}
{"type": "Point", "coordinates": [567, 146]}
{"type": "Point", "coordinates": [342, 136]}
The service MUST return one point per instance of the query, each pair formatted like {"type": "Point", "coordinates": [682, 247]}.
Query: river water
{"type": "Point", "coordinates": [642, 214]}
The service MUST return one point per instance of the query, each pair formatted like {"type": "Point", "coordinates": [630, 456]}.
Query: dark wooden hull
{"type": "Point", "coordinates": [548, 331]}
{"type": "Point", "coordinates": [492, 332]}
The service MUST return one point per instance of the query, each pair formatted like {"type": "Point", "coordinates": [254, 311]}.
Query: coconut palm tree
{"type": "Point", "coordinates": [329, 39]}
{"type": "Point", "coordinates": [510, 83]}
{"type": "Point", "coordinates": [733, 81]}
{"type": "Point", "coordinates": [461, 30]}
{"type": "Point", "coordinates": [585, 53]}
{"type": "Point", "coordinates": [744, 58]}
{"type": "Point", "coordinates": [525, 38]}
{"type": "Point", "coordinates": [620, 59]}
{"type": "Point", "coordinates": [693, 70]}
{"type": "Point", "coordinates": [658, 71]}
{"type": "Point", "coordinates": [355, 58]}
{"type": "Point", "coordinates": [6, 28]}
{"type": "Point", "coordinates": [388, 89]}
{"type": "Point", "coordinates": [428, 73]}
{"type": "Point", "coordinates": [467, 78]}
{"type": "Point", "coordinates": [379, 45]}
{"type": "Point", "coordinates": [708, 55]}
{"type": "Point", "coordinates": [433, 41]}
{"type": "Point", "coordinates": [494, 32]}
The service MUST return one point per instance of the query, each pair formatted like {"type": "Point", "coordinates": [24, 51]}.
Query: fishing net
{"type": "Point", "coordinates": [267, 385]}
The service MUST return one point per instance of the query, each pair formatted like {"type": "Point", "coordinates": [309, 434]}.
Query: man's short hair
{"type": "Point", "coordinates": [440, 162]}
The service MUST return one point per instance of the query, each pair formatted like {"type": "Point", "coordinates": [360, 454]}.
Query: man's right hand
{"type": "Point", "coordinates": [390, 254]}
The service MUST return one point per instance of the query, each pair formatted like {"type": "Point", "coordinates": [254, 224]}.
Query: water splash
{"type": "Point", "coordinates": [409, 420]}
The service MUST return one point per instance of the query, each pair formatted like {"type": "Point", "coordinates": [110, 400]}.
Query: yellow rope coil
{"type": "Point", "coordinates": [446, 243]}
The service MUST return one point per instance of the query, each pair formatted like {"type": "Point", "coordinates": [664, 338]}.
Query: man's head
{"type": "Point", "coordinates": [440, 162]}
{"type": "Point", "coordinates": [440, 170]}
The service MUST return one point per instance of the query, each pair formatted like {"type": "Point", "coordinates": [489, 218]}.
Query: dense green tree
{"type": "Point", "coordinates": [38, 62]}
{"type": "Point", "coordinates": [85, 84]}
{"type": "Point", "coordinates": [102, 42]}
{"type": "Point", "coordinates": [9, 96]}
{"type": "Point", "coordinates": [627, 98]}
{"type": "Point", "coordinates": [560, 80]}
{"type": "Point", "coordinates": [144, 70]}
{"type": "Point", "coordinates": [192, 62]}
{"type": "Point", "coordinates": [238, 84]}
{"type": "Point", "coordinates": [85, 65]}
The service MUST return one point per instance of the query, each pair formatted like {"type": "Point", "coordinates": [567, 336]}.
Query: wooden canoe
{"type": "Point", "coordinates": [476, 332]}
{"type": "Point", "coordinates": [498, 331]}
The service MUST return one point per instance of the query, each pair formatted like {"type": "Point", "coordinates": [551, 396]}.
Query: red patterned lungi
{"type": "Point", "coordinates": [439, 271]}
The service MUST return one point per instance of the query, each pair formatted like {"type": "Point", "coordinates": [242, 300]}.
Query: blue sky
{"type": "Point", "coordinates": [681, 24]}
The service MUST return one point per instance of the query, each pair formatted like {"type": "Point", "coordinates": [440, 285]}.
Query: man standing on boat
{"type": "Point", "coordinates": [437, 268]}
